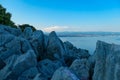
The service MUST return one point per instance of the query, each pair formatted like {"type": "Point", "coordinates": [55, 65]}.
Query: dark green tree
{"type": "Point", "coordinates": [5, 17]}
{"type": "Point", "coordinates": [23, 26]}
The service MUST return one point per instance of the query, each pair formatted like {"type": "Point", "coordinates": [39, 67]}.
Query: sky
{"type": "Point", "coordinates": [66, 15]}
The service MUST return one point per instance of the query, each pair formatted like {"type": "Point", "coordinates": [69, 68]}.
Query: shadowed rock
{"type": "Point", "coordinates": [2, 64]}
{"type": "Point", "coordinates": [29, 74]}
{"type": "Point", "coordinates": [73, 53]}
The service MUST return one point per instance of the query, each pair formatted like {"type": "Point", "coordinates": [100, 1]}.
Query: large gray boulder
{"type": "Point", "coordinates": [8, 30]}
{"type": "Point", "coordinates": [37, 43]}
{"type": "Point", "coordinates": [55, 47]}
{"type": "Point", "coordinates": [22, 63]}
{"type": "Point", "coordinates": [81, 68]}
{"type": "Point", "coordinates": [9, 45]}
{"type": "Point", "coordinates": [107, 61]}
{"type": "Point", "coordinates": [64, 73]}
{"type": "Point", "coordinates": [47, 67]}
{"type": "Point", "coordinates": [27, 33]}
{"type": "Point", "coordinates": [9, 65]}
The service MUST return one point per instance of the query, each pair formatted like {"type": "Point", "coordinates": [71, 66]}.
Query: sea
{"type": "Point", "coordinates": [89, 43]}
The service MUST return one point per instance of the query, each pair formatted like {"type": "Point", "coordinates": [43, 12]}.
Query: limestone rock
{"type": "Point", "coordinates": [5, 72]}
{"type": "Point", "coordinates": [27, 33]}
{"type": "Point", "coordinates": [37, 42]}
{"type": "Point", "coordinates": [8, 30]}
{"type": "Point", "coordinates": [55, 47]}
{"type": "Point", "coordinates": [10, 45]}
{"type": "Point", "coordinates": [21, 64]}
{"type": "Point", "coordinates": [81, 69]}
{"type": "Point", "coordinates": [29, 74]}
{"type": "Point", "coordinates": [64, 73]}
{"type": "Point", "coordinates": [48, 67]}
{"type": "Point", "coordinates": [107, 61]}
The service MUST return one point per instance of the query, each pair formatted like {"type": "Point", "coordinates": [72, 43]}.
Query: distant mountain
{"type": "Point", "coordinates": [86, 34]}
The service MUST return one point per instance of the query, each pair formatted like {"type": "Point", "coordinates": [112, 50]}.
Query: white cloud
{"type": "Point", "coordinates": [55, 28]}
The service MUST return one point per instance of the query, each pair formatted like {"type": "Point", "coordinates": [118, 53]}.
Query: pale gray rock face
{"type": "Point", "coordinates": [21, 64]}
{"type": "Point", "coordinates": [37, 43]}
{"type": "Point", "coordinates": [107, 62]}
{"type": "Point", "coordinates": [64, 73]}
{"type": "Point", "coordinates": [27, 33]}
{"type": "Point", "coordinates": [9, 30]}
{"type": "Point", "coordinates": [48, 67]}
{"type": "Point", "coordinates": [10, 45]}
{"type": "Point", "coordinates": [5, 72]}
{"type": "Point", "coordinates": [55, 47]}
{"type": "Point", "coordinates": [81, 68]}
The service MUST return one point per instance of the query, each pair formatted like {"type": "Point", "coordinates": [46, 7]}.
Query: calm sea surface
{"type": "Point", "coordinates": [89, 43]}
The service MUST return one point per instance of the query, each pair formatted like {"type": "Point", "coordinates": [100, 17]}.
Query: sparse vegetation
{"type": "Point", "coordinates": [22, 27]}
{"type": "Point", "coordinates": [5, 17]}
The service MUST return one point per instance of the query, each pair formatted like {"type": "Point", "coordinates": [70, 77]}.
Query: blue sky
{"type": "Point", "coordinates": [66, 15]}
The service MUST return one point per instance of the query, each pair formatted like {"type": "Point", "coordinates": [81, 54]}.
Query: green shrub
{"type": "Point", "coordinates": [5, 17]}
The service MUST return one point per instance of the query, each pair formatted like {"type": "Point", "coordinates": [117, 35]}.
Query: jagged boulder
{"type": "Point", "coordinates": [9, 65]}
{"type": "Point", "coordinates": [81, 68]}
{"type": "Point", "coordinates": [27, 33]}
{"type": "Point", "coordinates": [37, 43]}
{"type": "Point", "coordinates": [10, 45]}
{"type": "Point", "coordinates": [29, 74]}
{"type": "Point", "coordinates": [22, 63]}
{"type": "Point", "coordinates": [107, 61]}
{"type": "Point", "coordinates": [64, 73]}
{"type": "Point", "coordinates": [8, 30]}
{"type": "Point", "coordinates": [48, 67]}
{"type": "Point", "coordinates": [73, 53]}
{"type": "Point", "coordinates": [55, 47]}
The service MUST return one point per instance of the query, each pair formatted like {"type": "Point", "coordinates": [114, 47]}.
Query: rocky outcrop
{"type": "Point", "coordinates": [32, 55]}
{"type": "Point", "coordinates": [64, 73]}
{"type": "Point", "coordinates": [37, 42]}
{"type": "Point", "coordinates": [81, 68]}
{"type": "Point", "coordinates": [55, 48]}
{"type": "Point", "coordinates": [107, 61]}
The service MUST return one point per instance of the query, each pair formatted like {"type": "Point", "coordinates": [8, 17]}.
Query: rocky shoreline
{"type": "Point", "coordinates": [32, 55]}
